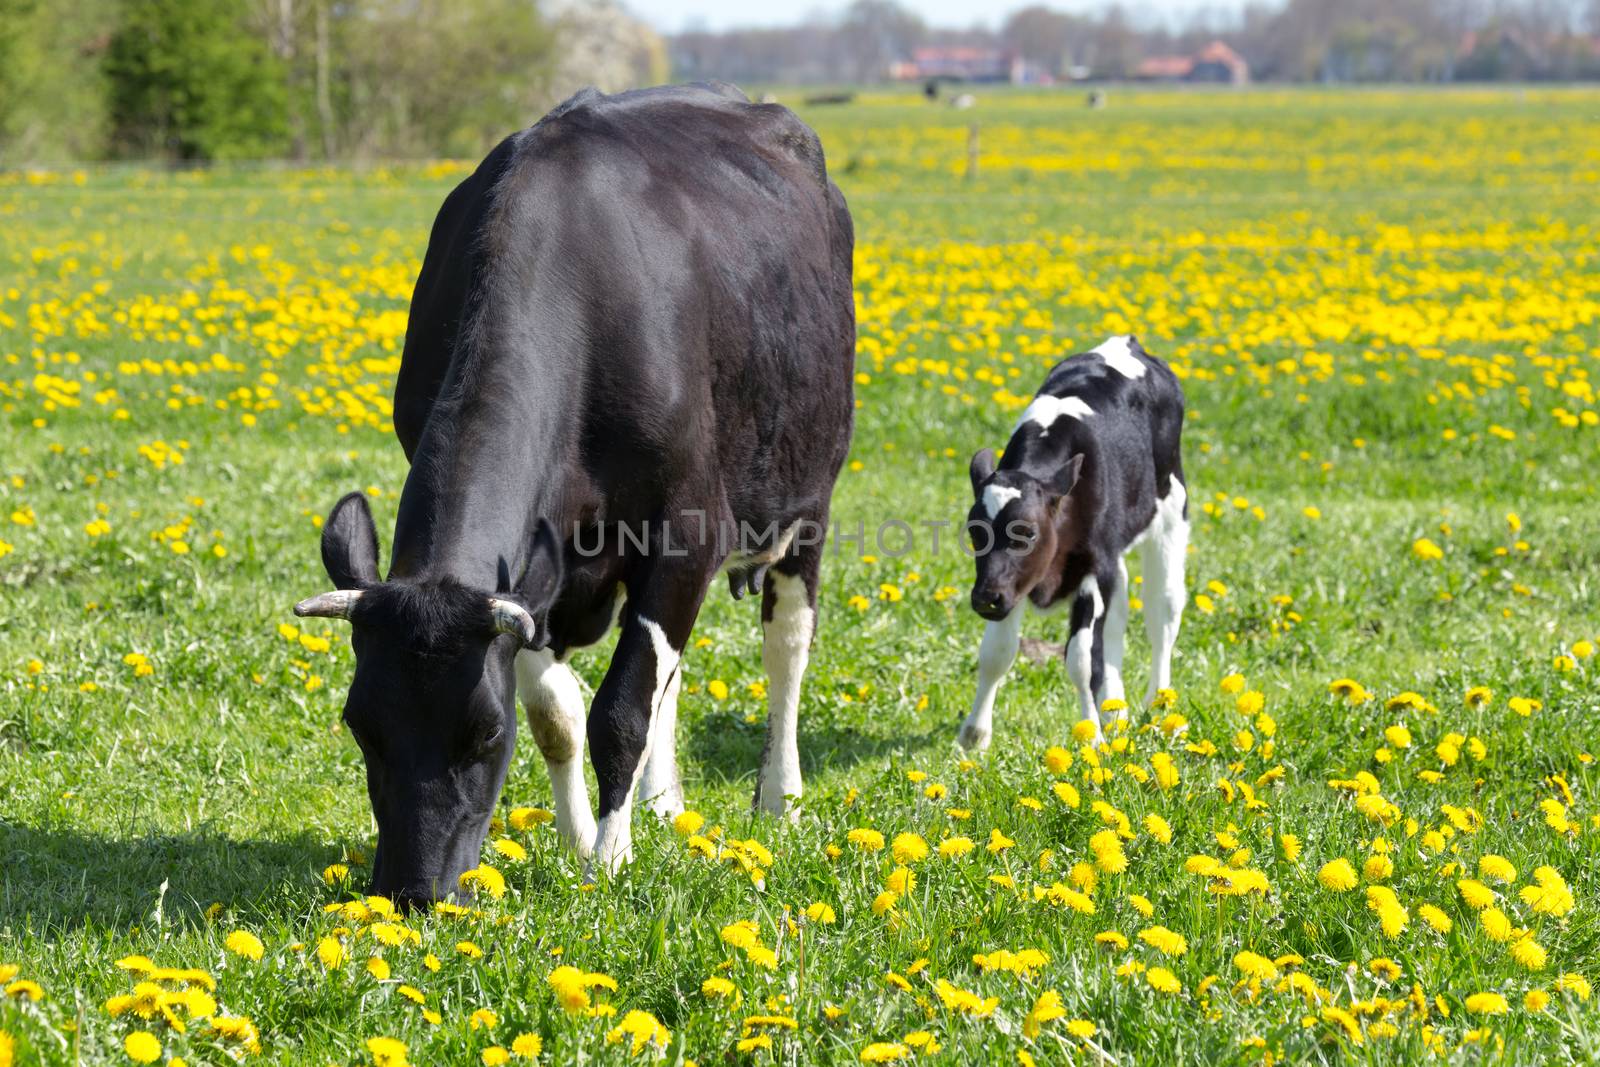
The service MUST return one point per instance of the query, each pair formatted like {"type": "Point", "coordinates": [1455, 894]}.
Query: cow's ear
{"type": "Point", "coordinates": [542, 583]}
{"type": "Point", "coordinates": [350, 544]}
{"type": "Point", "coordinates": [982, 467]}
{"type": "Point", "coordinates": [1059, 484]}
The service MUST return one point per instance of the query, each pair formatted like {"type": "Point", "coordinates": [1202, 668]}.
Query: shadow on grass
{"type": "Point", "coordinates": [717, 743]}
{"type": "Point", "coordinates": [57, 878]}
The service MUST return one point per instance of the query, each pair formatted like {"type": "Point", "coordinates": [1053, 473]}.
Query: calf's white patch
{"type": "Point", "coordinates": [996, 497]}
{"type": "Point", "coordinates": [1046, 409]}
{"type": "Point", "coordinates": [1118, 355]}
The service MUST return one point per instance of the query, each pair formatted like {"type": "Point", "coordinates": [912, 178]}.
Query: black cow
{"type": "Point", "coordinates": [633, 332]}
{"type": "Point", "coordinates": [1093, 468]}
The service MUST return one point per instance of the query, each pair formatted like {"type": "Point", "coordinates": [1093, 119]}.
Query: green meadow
{"type": "Point", "coordinates": [1385, 310]}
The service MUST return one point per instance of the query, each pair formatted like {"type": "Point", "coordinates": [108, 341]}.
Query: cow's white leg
{"type": "Point", "coordinates": [1114, 639]}
{"type": "Point", "coordinates": [620, 757]}
{"type": "Point", "coordinates": [788, 621]}
{"type": "Point", "coordinates": [659, 786]}
{"type": "Point", "coordinates": [1164, 596]}
{"type": "Point", "coordinates": [996, 653]}
{"type": "Point", "coordinates": [1087, 608]}
{"type": "Point", "coordinates": [556, 713]}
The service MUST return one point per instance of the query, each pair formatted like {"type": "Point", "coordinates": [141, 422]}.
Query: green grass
{"type": "Point", "coordinates": [1424, 262]}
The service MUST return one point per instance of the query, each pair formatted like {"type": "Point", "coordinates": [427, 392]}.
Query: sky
{"type": "Point", "coordinates": [672, 16]}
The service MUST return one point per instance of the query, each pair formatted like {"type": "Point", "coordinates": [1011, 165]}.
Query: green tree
{"type": "Point", "coordinates": [52, 93]}
{"type": "Point", "coordinates": [193, 79]}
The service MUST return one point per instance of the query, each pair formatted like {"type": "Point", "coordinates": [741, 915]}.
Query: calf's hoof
{"type": "Point", "coordinates": [974, 738]}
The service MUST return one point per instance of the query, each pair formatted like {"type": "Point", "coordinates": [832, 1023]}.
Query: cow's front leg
{"type": "Point", "coordinates": [628, 707]}
{"type": "Point", "coordinates": [659, 786]}
{"type": "Point", "coordinates": [554, 702]}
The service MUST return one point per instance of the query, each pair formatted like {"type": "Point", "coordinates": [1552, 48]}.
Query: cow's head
{"type": "Point", "coordinates": [432, 704]}
{"type": "Point", "coordinates": [1015, 526]}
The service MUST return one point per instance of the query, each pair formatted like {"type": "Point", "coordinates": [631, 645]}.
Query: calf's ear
{"type": "Point", "coordinates": [982, 467]}
{"type": "Point", "coordinates": [350, 544]}
{"type": "Point", "coordinates": [1061, 482]}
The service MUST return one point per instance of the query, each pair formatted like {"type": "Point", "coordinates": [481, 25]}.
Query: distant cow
{"type": "Point", "coordinates": [635, 316]}
{"type": "Point", "coordinates": [1093, 468]}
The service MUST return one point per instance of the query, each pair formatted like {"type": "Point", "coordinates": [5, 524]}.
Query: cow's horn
{"type": "Point", "coordinates": [512, 618]}
{"type": "Point", "coordinates": [335, 605]}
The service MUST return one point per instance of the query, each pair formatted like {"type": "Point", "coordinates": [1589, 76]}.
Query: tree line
{"type": "Point", "coordinates": [228, 79]}
{"type": "Point", "coordinates": [191, 80]}
{"type": "Point", "coordinates": [1286, 40]}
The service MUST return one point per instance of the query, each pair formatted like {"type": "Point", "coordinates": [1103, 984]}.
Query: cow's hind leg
{"type": "Point", "coordinates": [996, 653]}
{"type": "Point", "coordinates": [788, 621]}
{"type": "Point", "coordinates": [555, 706]}
{"type": "Point", "coordinates": [661, 608]}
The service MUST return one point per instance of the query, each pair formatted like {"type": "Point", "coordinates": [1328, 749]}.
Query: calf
{"type": "Point", "coordinates": [633, 331]}
{"type": "Point", "coordinates": [1093, 469]}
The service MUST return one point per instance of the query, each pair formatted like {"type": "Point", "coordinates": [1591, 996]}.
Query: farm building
{"type": "Point", "coordinates": [1215, 63]}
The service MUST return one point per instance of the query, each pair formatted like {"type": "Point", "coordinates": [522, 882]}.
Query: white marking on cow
{"type": "Point", "coordinates": [660, 788]}
{"type": "Point", "coordinates": [1118, 355]}
{"type": "Point", "coordinates": [1164, 552]}
{"type": "Point", "coordinates": [554, 701]}
{"type": "Point", "coordinates": [996, 497]}
{"type": "Point", "coordinates": [1046, 409]}
{"type": "Point", "coordinates": [785, 651]}
{"type": "Point", "coordinates": [613, 844]}
{"type": "Point", "coordinates": [996, 653]}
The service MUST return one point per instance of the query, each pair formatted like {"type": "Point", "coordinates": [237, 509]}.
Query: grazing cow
{"type": "Point", "coordinates": [633, 332]}
{"type": "Point", "coordinates": [1093, 468]}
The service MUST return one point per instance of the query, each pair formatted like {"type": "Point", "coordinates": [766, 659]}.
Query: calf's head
{"type": "Point", "coordinates": [432, 704]}
{"type": "Point", "coordinates": [1015, 526]}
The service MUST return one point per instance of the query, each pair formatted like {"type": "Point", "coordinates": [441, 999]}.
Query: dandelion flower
{"type": "Point", "coordinates": [1487, 1004]}
{"type": "Point", "coordinates": [142, 1046]}
{"type": "Point", "coordinates": [244, 943]}
{"type": "Point", "coordinates": [908, 849]}
{"type": "Point", "coordinates": [1338, 875]}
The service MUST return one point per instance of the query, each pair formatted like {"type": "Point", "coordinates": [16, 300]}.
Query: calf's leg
{"type": "Point", "coordinates": [1164, 554]}
{"type": "Point", "coordinates": [1085, 651]}
{"type": "Point", "coordinates": [996, 653]}
{"type": "Point", "coordinates": [1114, 639]}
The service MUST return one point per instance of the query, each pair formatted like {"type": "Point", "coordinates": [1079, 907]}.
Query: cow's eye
{"type": "Point", "coordinates": [489, 739]}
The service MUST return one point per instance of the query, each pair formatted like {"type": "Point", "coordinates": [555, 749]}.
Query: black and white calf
{"type": "Point", "coordinates": [633, 333]}
{"type": "Point", "coordinates": [1093, 468]}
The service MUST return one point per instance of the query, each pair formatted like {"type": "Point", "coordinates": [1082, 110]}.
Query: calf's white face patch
{"type": "Point", "coordinates": [1118, 355]}
{"type": "Point", "coordinates": [1047, 409]}
{"type": "Point", "coordinates": [996, 497]}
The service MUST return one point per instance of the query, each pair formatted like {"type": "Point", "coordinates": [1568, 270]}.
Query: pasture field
{"type": "Point", "coordinates": [1364, 827]}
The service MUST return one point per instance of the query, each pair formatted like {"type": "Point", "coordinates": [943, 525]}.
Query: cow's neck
{"type": "Point", "coordinates": [479, 484]}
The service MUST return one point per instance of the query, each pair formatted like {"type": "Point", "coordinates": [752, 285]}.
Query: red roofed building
{"type": "Point", "coordinates": [1215, 63]}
